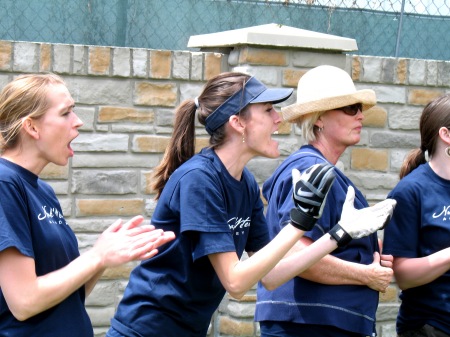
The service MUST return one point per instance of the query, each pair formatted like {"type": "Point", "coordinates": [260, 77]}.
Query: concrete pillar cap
{"type": "Point", "coordinates": [274, 35]}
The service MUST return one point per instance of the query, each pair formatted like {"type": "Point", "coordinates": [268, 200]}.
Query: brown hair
{"type": "Point", "coordinates": [435, 115]}
{"type": "Point", "coordinates": [182, 143]}
{"type": "Point", "coordinates": [25, 96]}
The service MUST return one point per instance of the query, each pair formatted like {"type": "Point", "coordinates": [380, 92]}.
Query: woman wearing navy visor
{"type": "Point", "coordinates": [212, 203]}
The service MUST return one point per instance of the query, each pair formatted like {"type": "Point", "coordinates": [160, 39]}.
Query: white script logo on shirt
{"type": "Point", "coordinates": [239, 225]}
{"type": "Point", "coordinates": [52, 214]}
{"type": "Point", "coordinates": [445, 212]}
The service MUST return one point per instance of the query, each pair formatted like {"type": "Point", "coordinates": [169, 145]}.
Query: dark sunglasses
{"type": "Point", "coordinates": [351, 110]}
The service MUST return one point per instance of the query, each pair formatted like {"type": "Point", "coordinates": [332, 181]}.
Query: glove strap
{"type": "Point", "coordinates": [301, 220]}
{"type": "Point", "coordinates": [340, 235]}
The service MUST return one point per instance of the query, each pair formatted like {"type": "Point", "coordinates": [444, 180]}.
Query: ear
{"type": "Point", "coordinates": [237, 123]}
{"type": "Point", "coordinates": [444, 133]}
{"type": "Point", "coordinates": [30, 127]}
{"type": "Point", "coordinates": [319, 123]}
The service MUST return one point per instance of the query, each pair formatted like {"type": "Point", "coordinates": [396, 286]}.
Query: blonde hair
{"type": "Point", "coordinates": [25, 96]}
{"type": "Point", "coordinates": [306, 123]}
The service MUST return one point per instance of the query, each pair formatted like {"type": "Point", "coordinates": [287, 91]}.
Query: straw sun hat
{"type": "Point", "coordinates": [326, 88]}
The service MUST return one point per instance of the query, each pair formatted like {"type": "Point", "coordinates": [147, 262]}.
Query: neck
{"type": "Point", "coordinates": [441, 166]}
{"type": "Point", "coordinates": [19, 158]}
{"type": "Point", "coordinates": [330, 153]}
{"type": "Point", "coordinates": [233, 159]}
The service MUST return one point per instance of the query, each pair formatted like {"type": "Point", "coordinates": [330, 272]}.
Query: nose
{"type": "Point", "coordinates": [78, 122]}
{"type": "Point", "coordinates": [277, 117]}
{"type": "Point", "coordinates": [360, 115]}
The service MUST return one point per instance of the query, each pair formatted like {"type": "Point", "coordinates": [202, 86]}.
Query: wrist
{"type": "Point", "coordinates": [340, 235]}
{"type": "Point", "coordinates": [302, 220]}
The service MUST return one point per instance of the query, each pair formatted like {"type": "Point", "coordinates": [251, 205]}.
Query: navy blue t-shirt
{"type": "Point", "coordinates": [31, 220]}
{"type": "Point", "coordinates": [420, 226]}
{"type": "Point", "coordinates": [176, 292]}
{"type": "Point", "coordinates": [348, 307]}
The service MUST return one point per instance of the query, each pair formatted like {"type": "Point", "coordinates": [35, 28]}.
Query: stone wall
{"type": "Point", "coordinates": [126, 98]}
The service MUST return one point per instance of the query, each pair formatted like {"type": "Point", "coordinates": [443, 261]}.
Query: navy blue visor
{"type": "Point", "coordinates": [252, 92]}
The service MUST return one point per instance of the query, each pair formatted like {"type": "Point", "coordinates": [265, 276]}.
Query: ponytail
{"type": "Point", "coordinates": [181, 146]}
{"type": "Point", "coordinates": [412, 161]}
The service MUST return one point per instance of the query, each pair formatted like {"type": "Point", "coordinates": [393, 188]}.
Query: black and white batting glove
{"type": "Point", "coordinates": [358, 223]}
{"type": "Point", "coordinates": [310, 191]}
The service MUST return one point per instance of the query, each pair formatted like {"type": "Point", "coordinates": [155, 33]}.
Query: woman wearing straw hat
{"type": "Point", "coordinates": [338, 296]}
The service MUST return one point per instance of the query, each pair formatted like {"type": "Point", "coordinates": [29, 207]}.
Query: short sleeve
{"type": "Point", "coordinates": [14, 223]}
{"type": "Point", "coordinates": [401, 236]}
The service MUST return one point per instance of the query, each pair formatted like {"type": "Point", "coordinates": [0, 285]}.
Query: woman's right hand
{"type": "Point", "coordinates": [125, 242]}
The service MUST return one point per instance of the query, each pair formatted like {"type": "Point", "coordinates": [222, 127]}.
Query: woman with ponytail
{"type": "Point", "coordinates": [419, 234]}
{"type": "Point", "coordinates": [212, 203]}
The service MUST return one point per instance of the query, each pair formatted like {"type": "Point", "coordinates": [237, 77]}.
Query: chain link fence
{"type": "Point", "coordinates": [397, 28]}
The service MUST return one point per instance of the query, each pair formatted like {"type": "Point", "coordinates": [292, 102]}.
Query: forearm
{"type": "Point", "coordinates": [51, 289]}
{"type": "Point", "coordinates": [298, 261]}
{"type": "Point", "coordinates": [414, 272]}
{"type": "Point", "coordinates": [334, 271]}
{"type": "Point", "coordinates": [239, 276]}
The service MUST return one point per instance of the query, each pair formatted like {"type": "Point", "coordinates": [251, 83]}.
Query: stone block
{"type": "Point", "coordinates": [307, 59]}
{"type": "Point", "coordinates": [233, 327]}
{"type": "Point", "coordinates": [98, 182]}
{"type": "Point", "coordinates": [100, 316]}
{"type": "Point", "coordinates": [261, 56]}
{"type": "Point", "coordinates": [153, 144]}
{"type": "Point", "coordinates": [121, 62]}
{"type": "Point", "coordinates": [160, 63]}
{"type": "Point", "coordinates": [109, 207]}
{"type": "Point", "coordinates": [397, 159]}
{"type": "Point", "coordinates": [356, 68]}
{"type": "Point", "coordinates": [6, 49]}
{"type": "Point", "coordinates": [369, 159]}
{"type": "Point", "coordinates": [395, 140]}
{"type": "Point", "coordinates": [388, 70]}
{"type": "Point", "coordinates": [25, 57]}
{"type": "Point", "coordinates": [388, 94]}
{"type": "Point", "coordinates": [103, 294]}
{"type": "Point", "coordinates": [181, 65]}
{"type": "Point", "coordinates": [190, 91]}
{"type": "Point", "coordinates": [375, 117]}
{"type": "Point", "coordinates": [423, 96]}
{"type": "Point", "coordinates": [140, 61]}
{"type": "Point", "coordinates": [62, 58]}
{"type": "Point", "coordinates": [53, 171]}
{"type": "Point", "coordinates": [60, 187]}
{"type": "Point", "coordinates": [196, 66]}
{"type": "Point", "coordinates": [108, 160]}
{"type": "Point", "coordinates": [80, 60]}
{"type": "Point", "coordinates": [291, 76]}
{"type": "Point", "coordinates": [100, 91]}
{"type": "Point", "coordinates": [113, 114]}
{"type": "Point", "coordinates": [213, 65]}
{"type": "Point", "coordinates": [45, 60]}
{"type": "Point", "coordinates": [86, 114]}
{"type": "Point", "coordinates": [101, 143]}
{"type": "Point", "coordinates": [99, 60]}
{"type": "Point", "coordinates": [403, 117]}
{"type": "Point", "coordinates": [402, 71]}
{"type": "Point", "coordinates": [417, 72]}
{"type": "Point", "coordinates": [371, 69]}
{"type": "Point", "coordinates": [162, 94]}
